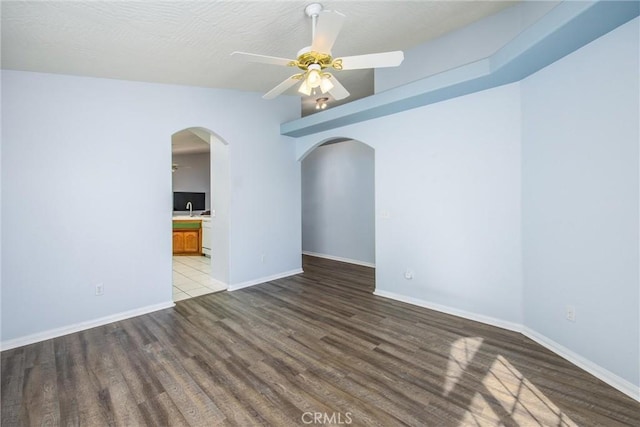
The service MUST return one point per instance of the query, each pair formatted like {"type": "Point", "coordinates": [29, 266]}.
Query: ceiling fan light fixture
{"type": "Point", "coordinates": [314, 77]}
{"type": "Point", "coordinates": [326, 85]}
{"type": "Point", "coordinates": [304, 88]}
{"type": "Point", "coordinates": [321, 103]}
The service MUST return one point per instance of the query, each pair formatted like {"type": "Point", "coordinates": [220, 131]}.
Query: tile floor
{"type": "Point", "coordinates": [191, 277]}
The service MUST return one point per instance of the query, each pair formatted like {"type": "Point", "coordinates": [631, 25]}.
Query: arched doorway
{"type": "Point", "coordinates": [200, 216]}
{"type": "Point", "coordinates": [338, 202]}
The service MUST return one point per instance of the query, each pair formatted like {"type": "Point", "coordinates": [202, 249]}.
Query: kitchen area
{"type": "Point", "coordinates": [192, 257]}
{"type": "Point", "coordinates": [191, 222]}
{"type": "Point", "coordinates": [191, 233]}
{"type": "Point", "coordinates": [192, 236]}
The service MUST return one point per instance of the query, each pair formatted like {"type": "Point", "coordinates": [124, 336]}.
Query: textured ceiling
{"type": "Point", "coordinates": [189, 42]}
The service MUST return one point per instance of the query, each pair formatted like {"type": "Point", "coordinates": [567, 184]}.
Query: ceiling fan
{"type": "Point", "coordinates": [314, 59]}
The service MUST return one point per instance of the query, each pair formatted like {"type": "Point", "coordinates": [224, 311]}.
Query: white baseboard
{"type": "Point", "coordinates": [254, 282]}
{"type": "Point", "coordinates": [81, 326]}
{"type": "Point", "coordinates": [594, 369]}
{"type": "Point", "coordinates": [511, 326]}
{"type": "Point", "coordinates": [337, 258]}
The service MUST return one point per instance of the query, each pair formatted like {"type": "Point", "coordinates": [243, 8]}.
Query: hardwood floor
{"type": "Point", "coordinates": [306, 350]}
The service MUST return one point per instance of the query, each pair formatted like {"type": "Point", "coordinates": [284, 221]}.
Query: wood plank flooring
{"type": "Point", "coordinates": [316, 348]}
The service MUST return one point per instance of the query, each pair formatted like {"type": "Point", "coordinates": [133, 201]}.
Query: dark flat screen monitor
{"type": "Point", "coordinates": [180, 200]}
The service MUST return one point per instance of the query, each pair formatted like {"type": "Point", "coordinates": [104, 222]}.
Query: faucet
{"type": "Point", "coordinates": [190, 207]}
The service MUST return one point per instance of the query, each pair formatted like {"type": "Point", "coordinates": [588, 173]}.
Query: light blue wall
{"type": "Point", "coordinates": [580, 201]}
{"type": "Point", "coordinates": [89, 195]}
{"type": "Point", "coordinates": [220, 220]}
{"type": "Point", "coordinates": [338, 201]}
{"type": "Point", "coordinates": [447, 194]}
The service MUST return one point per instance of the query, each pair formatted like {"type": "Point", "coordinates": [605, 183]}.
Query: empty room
{"type": "Point", "coordinates": [282, 213]}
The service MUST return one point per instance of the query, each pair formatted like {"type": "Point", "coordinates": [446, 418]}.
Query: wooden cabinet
{"type": "Point", "coordinates": [192, 241]}
{"type": "Point", "coordinates": [178, 242]}
{"type": "Point", "coordinates": [187, 237]}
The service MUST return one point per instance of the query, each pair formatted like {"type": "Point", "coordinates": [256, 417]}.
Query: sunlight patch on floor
{"type": "Point", "coordinates": [460, 355]}
{"type": "Point", "coordinates": [522, 400]}
{"type": "Point", "coordinates": [508, 397]}
{"type": "Point", "coordinates": [480, 414]}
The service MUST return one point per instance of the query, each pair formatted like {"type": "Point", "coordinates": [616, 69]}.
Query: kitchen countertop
{"type": "Point", "coordinates": [192, 218]}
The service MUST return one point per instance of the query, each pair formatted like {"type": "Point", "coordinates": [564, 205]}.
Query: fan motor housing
{"type": "Point", "coordinates": [324, 60]}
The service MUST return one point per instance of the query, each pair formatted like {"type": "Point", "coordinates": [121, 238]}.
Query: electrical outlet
{"type": "Point", "coordinates": [408, 274]}
{"type": "Point", "coordinates": [100, 289]}
{"type": "Point", "coordinates": [571, 313]}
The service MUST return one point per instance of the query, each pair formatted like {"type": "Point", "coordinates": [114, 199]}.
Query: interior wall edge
{"type": "Point", "coordinates": [253, 282]}
{"type": "Point", "coordinates": [594, 369]}
{"type": "Point", "coordinates": [487, 320]}
{"type": "Point", "coordinates": [340, 259]}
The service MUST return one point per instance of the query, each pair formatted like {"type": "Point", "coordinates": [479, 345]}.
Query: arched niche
{"type": "Point", "coordinates": [338, 202]}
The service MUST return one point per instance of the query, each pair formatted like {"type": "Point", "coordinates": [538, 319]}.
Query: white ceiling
{"type": "Point", "coordinates": [189, 42]}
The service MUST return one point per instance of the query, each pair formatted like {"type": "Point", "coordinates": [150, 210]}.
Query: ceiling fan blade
{"type": "Point", "coordinates": [372, 60]}
{"type": "Point", "coordinates": [327, 30]}
{"type": "Point", "coordinates": [281, 87]}
{"type": "Point", "coordinates": [263, 59]}
{"type": "Point", "coordinates": [338, 91]}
